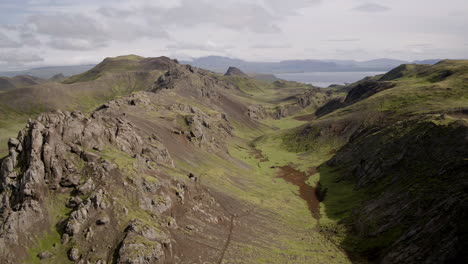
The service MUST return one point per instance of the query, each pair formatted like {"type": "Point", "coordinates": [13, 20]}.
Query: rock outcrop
{"type": "Point", "coordinates": [233, 71]}
{"type": "Point", "coordinates": [61, 152]}
{"type": "Point", "coordinates": [193, 81]}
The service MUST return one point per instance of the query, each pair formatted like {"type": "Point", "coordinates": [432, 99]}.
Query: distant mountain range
{"type": "Point", "coordinates": [49, 72]}
{"type": "Point", "coordinates": [221, 64]}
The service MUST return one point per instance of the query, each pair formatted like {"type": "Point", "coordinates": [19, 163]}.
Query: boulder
{"type": "Point", "coordinates": [74, 254]}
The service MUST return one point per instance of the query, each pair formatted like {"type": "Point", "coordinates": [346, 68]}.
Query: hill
{"type": "Point", "coordinates": [19, 81]}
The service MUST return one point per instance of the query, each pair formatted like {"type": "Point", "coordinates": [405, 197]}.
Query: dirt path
{"type": "Point", "coordinates": [306, 192]}
{"type": "Point", "coordinates": [228, 240]}
{"type": "Point", "coordinates": [233, 217]}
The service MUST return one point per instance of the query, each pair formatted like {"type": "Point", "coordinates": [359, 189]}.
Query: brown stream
{"type": "Point", "coordinates": [306, 191]}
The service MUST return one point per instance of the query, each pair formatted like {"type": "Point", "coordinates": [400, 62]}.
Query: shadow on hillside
{"type": "Point", "coordinates": [339, 199]}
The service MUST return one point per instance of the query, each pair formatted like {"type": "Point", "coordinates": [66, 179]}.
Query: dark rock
{"type": "Point", "coordinates": [74, 202]}
{"type": "Point", "coordinates": [103, 220]}
{"type": "Point", "coordinates": [71, 181]}
{"type": "Point", "coordinates": [233, 71]}
{"type": "Point", "coordinates": [13, 142]}
{"type": "Point", "coordinates": [192, 177]}
{"type": "Point", "coordinates": [421, 164]}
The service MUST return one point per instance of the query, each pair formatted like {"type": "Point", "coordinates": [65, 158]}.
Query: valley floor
{"type": "Point", "coordinates": [279, 219]}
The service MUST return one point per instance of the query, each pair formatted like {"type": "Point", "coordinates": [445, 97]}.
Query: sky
{"type": "Point", "coordinates": [68, 32]}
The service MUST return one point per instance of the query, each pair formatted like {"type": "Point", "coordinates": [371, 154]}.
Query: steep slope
{"type": "Point", "coordinates": [414, 176]}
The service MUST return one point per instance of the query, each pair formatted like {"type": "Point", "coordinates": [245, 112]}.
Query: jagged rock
{"type": "Point", "coordinates": [71, 181]}
{"type": "Point", "coordinates": [98, 200]}
{"type": "Point", "coordinates": [142, 244]}
{"type": "Point", "coordinates": [87, 187]}
{"type": "Point", "coordinates": [74, 254]}
{"type": "Point", "coordinates": [13, 143]}
{"type": "Point", "coordinates": [77, 219]}
{"type": "Point", "coordinates": [74, 202]}
{"type": "Point", "coordinates": [189, 80]}
{"type": "Point", "coordinates": [103, 220]}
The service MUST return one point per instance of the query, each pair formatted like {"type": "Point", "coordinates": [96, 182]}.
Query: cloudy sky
{"type": "Point", "coordinates": [66, 32]}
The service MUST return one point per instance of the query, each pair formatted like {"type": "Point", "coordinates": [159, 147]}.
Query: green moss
{"type": "Point", "coordinates": [49, 240]}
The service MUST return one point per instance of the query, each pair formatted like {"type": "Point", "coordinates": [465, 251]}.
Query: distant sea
{"type": "Point", "coordinates": [325, 79]}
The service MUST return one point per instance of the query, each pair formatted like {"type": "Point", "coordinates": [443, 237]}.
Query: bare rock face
{"type": "Point", "coordinates": [142, 244]}
{"type": "Point", "coordinates": [233, 71]}
{"type": "Point", "coordinates": [257, 112]}
{"type": "Point", "coordinates": [46, 156]}
{"type": "Point", "coordinates": [90, 176]}
{"type": "Point", "coordinates": [189, 80]}
{"type": "Point", "coordinates": [312, 97]}
{"type": "Point", "coordinates": [203, 129]}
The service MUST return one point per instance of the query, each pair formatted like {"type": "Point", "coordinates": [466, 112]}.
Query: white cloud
{"type": "Point", "coordinates": [18, 58]}
{"type": "Point", "coordinates": [6, 42]}
{"type": "Point", "coordinates": [68, 31]}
